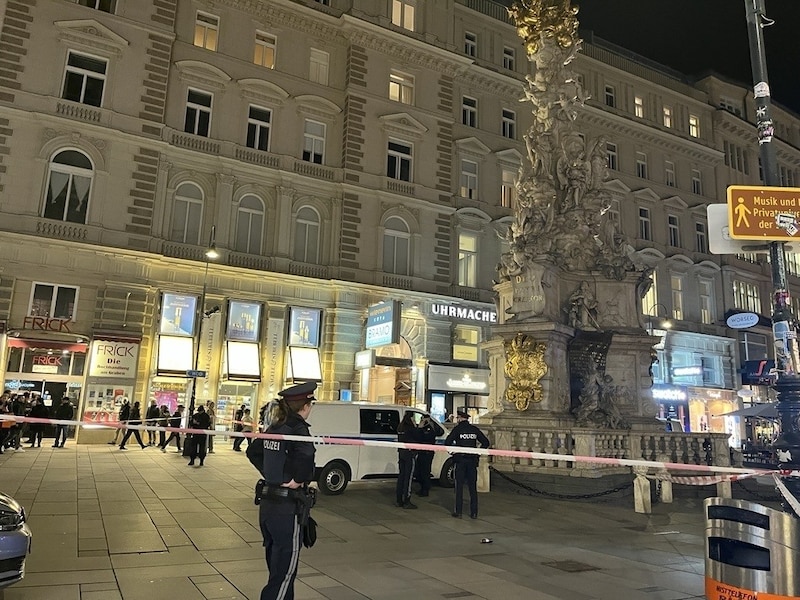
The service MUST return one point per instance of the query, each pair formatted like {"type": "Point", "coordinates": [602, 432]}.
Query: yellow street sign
{"type": "Point", "coordinates": [770, 214]}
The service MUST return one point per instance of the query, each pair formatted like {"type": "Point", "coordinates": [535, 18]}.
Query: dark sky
{"type": "Point", "coordinates": [694, 36]}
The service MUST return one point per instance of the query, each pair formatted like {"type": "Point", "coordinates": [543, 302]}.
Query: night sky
{"type": "Point", "coordinates": [694, 36]}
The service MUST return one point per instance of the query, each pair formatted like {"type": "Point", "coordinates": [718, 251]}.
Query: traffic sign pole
{"type": "Point", "coordinates": [784, 325]}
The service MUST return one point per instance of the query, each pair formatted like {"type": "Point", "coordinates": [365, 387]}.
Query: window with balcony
{"type": "Point", "coordinates": [84, 79]}
{"type": "Point", "coordinates": [673, 225]}
{"type": "Point", "coordinates": [666, 113]}
{"type": "Point", "coordinates": [638, 107]}
{"type": "Point", "coordinates": [677, 297]}
{"type": "Point", "coordinates": [469, 111]}
{"type": "Point", "coordinates": [206, 31]}
{"type": "Point", "coordinates": [467, 259]}
{"type": "Point", "coordinates": [403, 13]}
{"type": "Point", "coordinates": [265, 48]}
{"type": "Point", "coordinates": [669, 173]}
{"type": "Point", "coordinates": [53, 301]}
{"type": "Point", "coordinates": [187, 214]}
{"type": "Point", "coordinates": [319, 66]}
{"type": "Point", "coordinates": [471, 44]}
{"type": "Point", "coordinates": [306, 236]}
{"type": "Point", "coordinates": [509, 124]}
{"type": "Point", "coordinates": [398, 160]}
{"type": "Point", "coordinates": [259, 121]}
{"type": "Point", "coordinates": [641, 165]}
{"type": "Point", "coordinates": [108, 6]}
{"type": "Point", "coordinates": [700, 237]}
{"type": "Point", "coordinates": [69, 185]}
{"type": "Point", "coordinates": [249, 225]}
{"type": "Point", "coordinates": [645, 227]}
{"type": "Point", "coordinates": [612, 159]}
{"type": "Point", "coordinates": [509, 58]}
{"type": "Point", "coordinates": [198, 113]}
{"type": "Point", "coordinates": [401, 87]}
{"type": "Point", "coordinates": [396, 247]}
{"type": "Point", "coordinates": [314, 141]}
{"type": "Point", "coordinates": [469, 179]}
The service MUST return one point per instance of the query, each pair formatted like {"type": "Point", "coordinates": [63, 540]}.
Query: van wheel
{"type": "Point", "coordinates": [333, 478]}
{"type": "Point", "coordinates": [448, 477]}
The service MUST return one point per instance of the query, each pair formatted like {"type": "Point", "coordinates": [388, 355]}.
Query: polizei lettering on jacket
{"type": "Point", "coordinates": [272, 445]}
{"type": "Point", "coordinates": [468, 436]}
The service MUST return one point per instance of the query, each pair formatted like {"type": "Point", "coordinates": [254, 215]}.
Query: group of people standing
{"type": "Point", "coordinates": [26, 405]}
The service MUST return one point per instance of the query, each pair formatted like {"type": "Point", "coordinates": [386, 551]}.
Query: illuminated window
{"type": "Point", "coordinates": [401, 87]}
{"type": "Point", "coordinates": [466, 341]}
{"type": "Point", "coordinates": [265, 49]}
{"type": "Point", "coordinates": [508, 190]}
{"type": "Point", "coordinates": [746, 296]}
{"type": "Point", "coordinates": [206, 31]}
{"type": "Point", "coordinates": [638, 106]}
{"type": "Point", "coordinates": [403, 13]}
{"type": "Point", "coordinates": [694, 126]}
{"type": "Point", "coordinates": [707, 308]}
{"type": "Point", "coordinates": [667, 116]}
{"type": "Point", "coordinates": [677, 297]}
{"type": "Point", "coordinates": [467, 259]}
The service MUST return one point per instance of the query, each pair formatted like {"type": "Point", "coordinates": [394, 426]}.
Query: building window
{"type": "Point", "coordinates": [206, 31]}
{"type": "Point", "coordinates": [707, 311]}
{"type": "Point", "coordinates": [509, 126]}
{"type": "Point", "coordinates": [198, 113]}
{"type": "Point", "coordinates": [793, 268]}
{"type": "Point", "coordinates": [69, 184]}
{"type": "Point", "coordinates": [258, 127]}
{"type": "Point", "coordinates": [471, 44]}
{"type": "Point", "coordinates": [611, 156]}
{"type": "Point", "coordinates": [611, 96]}
{"type": "Point", "coordinates": [187, 214]}
{"type": "Point", "coordinates": [403, 13]}
{"type": "Point", "coordinates": [396, 246]}
{"type": "Point", "coordinates": [53, 301]}
{"type": "Point", "coordinates": [677, 297]}
{"type": "Point", "coordinates": [711, 370]}
{"type": "Point", "coordinates": [313, 141]}
{"type": "Point", "coordinates": [84, 79]}
{"type": "Point", "coordinates": [650, 298]}
{"type": "Point", "coordinates": [669, 173]}
{"type": "Point", "coordinates": [265, 48]}
{"type": "Point", "coordinates": [249, 225]}
{"type": "Point", "coordinates": [306, 236]}
{"type": "Point", "coordinates": [508, 189]}
{"type": "Point", "coordinates": [401, 87]}
{"type": "Point", "coordinates": [103, 5]}
{"type": "Point", "coordinates": [667, 116]}
{"type": "Point", "coordinates": [694, 126]}
{"type": "Point", "coordinates": [697, 182]}
{"type": "Point", "coordinates": [467, 259]}
{"type": "Point", "coordinates": [466, 343]}
{"type": "Point", "coordinates": [319, 65]}
{"type": "Point", "coordinates": [509, 58]}
{"type": "Point", "coordinates": [753, 346]}
{"type": "Point", "coordinates": [746, 296]}
{"type": "Point", "coordinates": [674, 231]}
{"type": "Point", "coordinates": [700, 238]}
{"type": "Point", "coordinates": [641, 165]}
{"type": "Point", "coordinates": [398, 161]}
{"type": "Point", "coordinates": [323, 2]}
{"type": "Point", "coordinates": [645, 231]}
{"type": "Point", "coordinates": [469, 179]}
{"type": "Point", "coordinates": [638, 106]}
{"type": "Point", "coordinates": [469, 111]}
{"type": "Point", "coordinates": [733, 106]}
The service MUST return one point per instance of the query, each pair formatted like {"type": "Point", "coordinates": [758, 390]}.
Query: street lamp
{"type": "Point", "coordinates": [652, 313]}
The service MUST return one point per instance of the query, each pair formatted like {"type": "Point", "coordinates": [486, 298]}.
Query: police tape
{"type": "Point", "coordinates": [343, 441]}
{"type": "Point", "coordinates": [787, 495]}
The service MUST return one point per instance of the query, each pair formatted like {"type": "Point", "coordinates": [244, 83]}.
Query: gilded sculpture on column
{"type": "Point", "coordinates": [524, 368]}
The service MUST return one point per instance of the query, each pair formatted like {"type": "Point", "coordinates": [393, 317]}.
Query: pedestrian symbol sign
{"type": "Point", "coordinates": [771, 214]}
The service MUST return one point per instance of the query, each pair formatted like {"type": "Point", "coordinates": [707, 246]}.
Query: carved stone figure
{"type": "Point", "coordinates": [582, 308]}
{"type": "Point", "coordinates": [524, 367]}
{"type": "Point", "coordinates": [600, 400]}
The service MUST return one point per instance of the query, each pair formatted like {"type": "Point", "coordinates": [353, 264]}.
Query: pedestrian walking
{"type": "Point", "coordinates": [38, 411]}
{"type": "Point", "coordinates": [237, 426]}
{"type": "Point", "coordinates": [407, 432]}
{"type": "Point", "coordinates": [429, 430]}
{"type": "Point", "coordinates": [466, 435]}
{"type": "Point", "coordinates": [123, 416]}
{"type": "Point", "coordinates": [175, 423]}
{"type": "Point", "coordinates": [163, 421]}
{"type": "Point", "coordinates": [197, 443]}
{"type": "Point", "coordinates": [135, 419]}
{"type": "Point", "coordinates": [246, 427]}
{"type": "Point", "coordinates": [151, 418]}
{"type": "Point", "coordinates": [64, 412]}
{"type": "Point", "coordinates": [287, 468]}
{"type": "Point", "coordinates": [211, 411]}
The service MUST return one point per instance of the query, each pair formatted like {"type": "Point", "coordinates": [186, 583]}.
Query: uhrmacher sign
{"type": "Point", "coordinates": [764, 213]}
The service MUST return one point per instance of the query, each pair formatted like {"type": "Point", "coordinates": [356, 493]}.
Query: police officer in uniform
{"type": "Point", "coordinates": [466, 435]}
{"type": "Point", "coordinates": [287, 467]}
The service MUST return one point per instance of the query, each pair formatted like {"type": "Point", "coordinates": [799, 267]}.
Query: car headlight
{"type": "Point", "coordinates": [11, 521]}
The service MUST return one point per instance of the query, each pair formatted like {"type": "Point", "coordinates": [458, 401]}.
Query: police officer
{"type": "Point", "coordinates": [429, 430]}
{"type": "Point", "coordinates": [287, 467]}
{"type": "Point", "coordinates": [466, 435]}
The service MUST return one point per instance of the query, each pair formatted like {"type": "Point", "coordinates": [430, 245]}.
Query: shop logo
{"type": "Point", "coordinates": [47, 324]}
{"type": "Point", "coordinates": [742, 320]}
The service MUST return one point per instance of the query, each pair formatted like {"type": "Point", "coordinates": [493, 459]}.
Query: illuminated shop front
{"type": "Point", "coordinates": [697, 409]}
{"type": "Point", "coordinates": [451, 388]}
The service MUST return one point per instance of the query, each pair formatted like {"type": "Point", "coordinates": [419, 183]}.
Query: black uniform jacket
{"type": "Point", "coordinates": [280, 461]}
{"type": "Point", "coordinates": [466, 435]}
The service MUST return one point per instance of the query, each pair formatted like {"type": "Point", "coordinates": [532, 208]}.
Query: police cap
{"type": "Point", "coordinates": [301, 392]}
{"type": "Point", "coordinates": [462, 414]}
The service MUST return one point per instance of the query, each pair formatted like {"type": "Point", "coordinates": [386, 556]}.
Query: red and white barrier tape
{"type": "Point", "coordinates": [339, 441]}
{"type": "Point", "coordinates": [787, 495]}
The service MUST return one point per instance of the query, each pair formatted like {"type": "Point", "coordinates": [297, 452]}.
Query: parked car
{"type": "Point", "coordinates": [15, 541]}
{"type": "Point", "coordinates": [337, 465]}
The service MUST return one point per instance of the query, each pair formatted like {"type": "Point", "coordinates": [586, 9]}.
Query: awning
{"type": "Point", "coordinates": [765, 410]}
{"type": "Point", "coordinates": [14, 342]}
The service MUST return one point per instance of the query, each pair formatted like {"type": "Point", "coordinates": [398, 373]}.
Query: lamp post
{"type": "Point", "coordinates": [652, 313]}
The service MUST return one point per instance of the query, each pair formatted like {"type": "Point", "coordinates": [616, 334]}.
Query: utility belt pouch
{"type": "Point", "coordinates": [306, 499]}
{"type": "Point", "coordinates": [259, 491]}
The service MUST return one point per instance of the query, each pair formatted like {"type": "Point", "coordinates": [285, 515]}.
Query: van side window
{"type": "Point", "coordinates": [379, 421]}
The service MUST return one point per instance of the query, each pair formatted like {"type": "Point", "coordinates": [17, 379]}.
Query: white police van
{"type": "Point", "coordinates": [337, 464]}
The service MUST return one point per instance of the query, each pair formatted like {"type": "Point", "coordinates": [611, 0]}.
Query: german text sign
{"type": "Point", "coordinates": [764, 213]}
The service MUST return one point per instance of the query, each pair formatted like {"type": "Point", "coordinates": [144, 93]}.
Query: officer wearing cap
{"type": "Point", "coordinates": [287, 467]}
{"type": "Point", "coordinates": [466, 435]}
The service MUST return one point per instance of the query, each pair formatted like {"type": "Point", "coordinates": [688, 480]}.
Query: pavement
{"type": "Point", "coordinates": [142, 525]}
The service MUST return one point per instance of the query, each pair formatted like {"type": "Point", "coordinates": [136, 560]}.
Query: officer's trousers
{"type": "Point", "coordinates": [466, 472]}
{"type": "Point", "coordinates": [283, 538]}
{"type": "Point", "coordinates": [406, 461]}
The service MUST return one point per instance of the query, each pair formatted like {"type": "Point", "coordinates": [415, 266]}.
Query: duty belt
{"type": "Point", "coordinates": [276, 491]}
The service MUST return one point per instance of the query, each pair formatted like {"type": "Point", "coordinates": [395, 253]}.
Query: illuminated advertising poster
{"type": "Point", "coordinates": [174, 355]}
{"type": "Point", "coordinates": [673, 404]}
{"type": "Point", "coordinates": [178, 314]}
{"type": "Point", "coordinates": [242, 361]}
{"type": "Point", "coordinates": [244, 321]}
{"type": "Point", "coordinates": [383, 324]}
{"type": "Point", "coordinates": [304, 327]}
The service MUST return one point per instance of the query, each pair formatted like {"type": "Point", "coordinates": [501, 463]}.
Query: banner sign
{"type": "Point", "coordinates": [383, 324]}
{"type": "Point", "coordinates": [113, 359]}
{"type": "Point", "coordinates": [244, 321]}
{"type": "Point", "coordinates": [304, 327]}
{"type": "Point", "coordinates": [178, 313]}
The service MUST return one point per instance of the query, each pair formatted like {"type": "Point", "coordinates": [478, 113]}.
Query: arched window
{"type": "Point", "coordinates": [306, 236]}
{"type": "Point", "coordinates": [69, 184]}
{"type": "Point", "coordinates": [249, 225]}
{"type": "Point", "coordinates": [187, 214]}
{"type": "Point", "coordinates": [396, 246]}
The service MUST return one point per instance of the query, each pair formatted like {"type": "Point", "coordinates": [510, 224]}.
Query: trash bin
{"type": "Point", "coordinates": [751, 551]}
